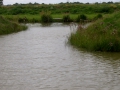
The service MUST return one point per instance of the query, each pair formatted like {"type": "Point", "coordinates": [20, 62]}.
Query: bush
{"type": "Point", "coordinates": [106, 10]}
{"type": "Point", "coordinates": [46, 17]}
{"type": "Point", "coordinates": [81, 17]}
{"type": "Point", "coordinates": [66, 18]}
{"type": "Point", "coordinates": [98, 16]}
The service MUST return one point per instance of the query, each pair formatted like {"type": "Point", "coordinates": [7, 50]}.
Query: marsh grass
{"type": "Point", "coordinates": [66, 17]}
{"type": "Point", "coordinates": [7, 27]}
{"type": "Point", "coordinates": [46, 17]}
{"type": "Point", "coordinates": [81, 18]}
{"type": "Point", "coordinates": [23, 18]}
{"type": "Point", "coordinates": [98, 16]}
{"type": "Point", "coordinates": [102, 35]}
{"type": "Point", "coordinates": [37, 18]}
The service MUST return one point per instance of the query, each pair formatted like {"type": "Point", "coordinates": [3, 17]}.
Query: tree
{"type": "Point", "coordinates": [1, 2]}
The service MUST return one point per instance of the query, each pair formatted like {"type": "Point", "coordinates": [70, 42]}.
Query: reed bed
{"type": "Point", "coordinates": [102, 35]}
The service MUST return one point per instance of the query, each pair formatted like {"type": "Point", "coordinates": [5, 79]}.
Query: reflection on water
{"type": "Point", "coordinates": [40, 59]}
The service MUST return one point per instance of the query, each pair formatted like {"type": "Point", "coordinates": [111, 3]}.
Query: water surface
{"type": "Point", "coordinates": [40, 59]}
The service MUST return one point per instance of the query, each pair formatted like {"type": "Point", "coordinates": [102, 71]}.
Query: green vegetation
{"type": "Point", "coordinates": [102, 35]}
{"type": "Point", "coordinates": [7, 27]}
{"type": "Point", "coordinates": [81, 18]}
{"type": "Point", "coordinates": [37, 18]}
{"type": "Point", "coordinates": [76, 8]}
{"type": "Point", "coordinates": [66, 18]}
{"type": "Point", "coordinates": [23, 18]}
{"type": "Point", "coordinates": [46, 17]}
{"type": "Point", "coordinates": [34, 12]}
{"type": "Point", "coordinates": [99, 16]}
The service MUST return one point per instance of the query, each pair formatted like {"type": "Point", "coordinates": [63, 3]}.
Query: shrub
{"type": "Point", "coordinates": [106, 10]}
{"type": "Point", "coordinates": [98, 16]}
{"type": "Point", "coordinates": [81, 17]}
{"type": "Point", "coordinates": [46, 17]}
{"type": "Point", "coordinates": [66, 18]}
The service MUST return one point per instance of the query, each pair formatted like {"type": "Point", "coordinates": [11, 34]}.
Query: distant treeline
{"type": "Point", "coordinates": [72, 8]}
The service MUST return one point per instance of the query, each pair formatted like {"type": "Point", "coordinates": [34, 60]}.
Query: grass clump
{"type": "Point", "coordinates": [103, 35]}
{"type": "Point", "coordinates": [98, 16]}
{"type": "Point", "coordinates": [7, 27]}
{"type": "Point", "coordinates": [66, 18]}
{"type": "Point", "coordinates": [46, 17]}
{"type": "Point", "coordinates": [81, 18]}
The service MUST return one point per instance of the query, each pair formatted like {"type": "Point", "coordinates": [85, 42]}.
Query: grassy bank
{"type": "Point", "coordinates": [31, 13]}
{"type": "Point", "coordinates": [7, 27]}
{"type": "Point", "coordinates": [37, 18]}
{"type": "Point", "coordinates": [102, 35]}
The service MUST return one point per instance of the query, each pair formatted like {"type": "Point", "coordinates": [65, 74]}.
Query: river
{"type": "Point", "coordinates": [41, 59]}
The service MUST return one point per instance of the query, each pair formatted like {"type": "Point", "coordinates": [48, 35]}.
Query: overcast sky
{"type": "Point", "coordinates": [53, 1]}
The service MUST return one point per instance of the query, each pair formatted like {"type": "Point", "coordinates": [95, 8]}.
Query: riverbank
{"type": "Point", "coordinates": [7, 27]}
{"type": "Point", "coordinates": [102, 35]}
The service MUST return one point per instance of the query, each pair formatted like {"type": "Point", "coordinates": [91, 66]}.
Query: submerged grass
{"type": "Point", "coordinates": [7, 27]}
{"type": "Point", "coordinates": [102, 35]}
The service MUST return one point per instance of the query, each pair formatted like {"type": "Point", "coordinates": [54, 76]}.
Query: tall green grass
{"type": "Point", "coordinates": [7, 27]}
{"type": "Point", "coordinates": [37, 18]}
{"type": "Point", "coordinates": [102, 35]}
{"type": "Point", "coordinates": [98, 16]}
{"type": "Point", "coordinates": [24, 18]}
{"type": "Point", "coordinates": [66, 18]}
{"type": "Point", "coordinates": [46, 17]}
{"type": "Point", "coordinates": [81, 18]}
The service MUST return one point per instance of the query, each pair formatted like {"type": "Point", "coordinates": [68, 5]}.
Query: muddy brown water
{"type": "Point", "coordinates": [41, 59]}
